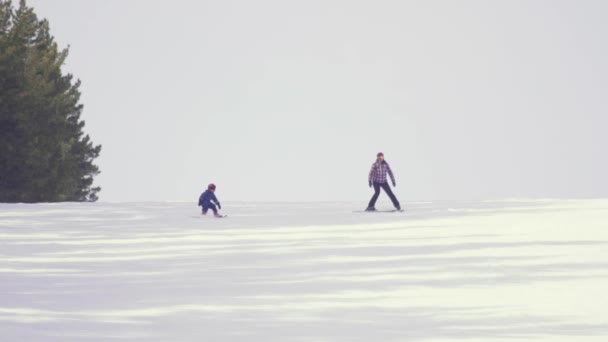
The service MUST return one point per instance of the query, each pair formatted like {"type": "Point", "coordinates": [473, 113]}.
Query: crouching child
{"type": "Point", "coordinates": [207, 201]}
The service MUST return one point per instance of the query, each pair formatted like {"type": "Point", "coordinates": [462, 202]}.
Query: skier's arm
{"type": "Point", "coordinates": [216, 201]}
{"type": "Point", "coordinates": [390, 173]}
{"type": "Point", "coordinates": [371, 172]}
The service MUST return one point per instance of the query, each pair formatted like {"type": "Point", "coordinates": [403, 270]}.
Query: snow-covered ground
{"type": "Point", "coordinates": [441, 271]}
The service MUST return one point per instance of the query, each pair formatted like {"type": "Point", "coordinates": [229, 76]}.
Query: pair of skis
{"type": "Point", "coordinates": [203, 216]}
{"type": "Point", "coordinates": [380, 211]}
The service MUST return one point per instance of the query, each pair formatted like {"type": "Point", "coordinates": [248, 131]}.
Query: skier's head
{"type": "Point", "coordinates": [211, 187]}
{"type": "Point", "coordinates": [380, 156]}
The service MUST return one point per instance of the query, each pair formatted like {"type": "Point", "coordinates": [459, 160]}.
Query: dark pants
{"type": "Point", "coordinates": [209, 206]}
{"type": "Point", "coordinates": [389, 192]}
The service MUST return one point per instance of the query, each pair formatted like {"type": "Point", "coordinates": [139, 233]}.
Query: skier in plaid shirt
{"type": "Point", "coordinates": [377, 178]}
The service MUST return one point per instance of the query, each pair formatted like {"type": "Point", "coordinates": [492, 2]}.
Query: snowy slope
{"type": "Point", "coordinates": [441, 271]}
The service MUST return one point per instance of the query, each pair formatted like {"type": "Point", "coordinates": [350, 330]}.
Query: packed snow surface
{"type": "Point", "coordinates": [511, 270]}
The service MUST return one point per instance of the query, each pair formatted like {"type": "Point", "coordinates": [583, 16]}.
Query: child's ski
{"type": "Point", "coordinates": [379, 211]}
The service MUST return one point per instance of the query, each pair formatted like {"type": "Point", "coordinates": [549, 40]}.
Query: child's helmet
{"type": "Point", "coordinates": [211, 187]}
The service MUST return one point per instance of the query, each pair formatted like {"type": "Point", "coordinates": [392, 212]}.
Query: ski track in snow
{"type": "Point", "coordinates": [512, 270]}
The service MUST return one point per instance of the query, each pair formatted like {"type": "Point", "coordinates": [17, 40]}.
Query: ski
{"type": "Point", "coordinates": [210, 216]}
{"type": "Point", "coordinates": [379, 211]}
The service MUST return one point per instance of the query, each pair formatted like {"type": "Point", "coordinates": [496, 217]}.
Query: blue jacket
{"type": "Point", "coordinates": [206, 198]}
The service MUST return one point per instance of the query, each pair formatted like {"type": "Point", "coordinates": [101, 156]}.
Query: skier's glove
{"type": "Point", "coordinates": [394, 184]}
{"type": "Point", "coordinates": [370, 184]}
{"type": "Point", "coordinates": [219, 206]}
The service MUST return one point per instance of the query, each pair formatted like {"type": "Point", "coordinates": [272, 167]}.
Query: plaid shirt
{"type": "Point", "coordinates": [378, 172]}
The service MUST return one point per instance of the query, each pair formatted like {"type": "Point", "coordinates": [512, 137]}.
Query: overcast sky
{"type": "Point", "coordinates": [291, 100]}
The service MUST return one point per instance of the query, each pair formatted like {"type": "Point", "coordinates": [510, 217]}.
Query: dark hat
{"type": "Point", "coordinates": [211, 187]}
{"type": "Point", "coordinates": [380, 154]}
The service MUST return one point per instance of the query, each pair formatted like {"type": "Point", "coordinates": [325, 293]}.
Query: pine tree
{"type": "Point", "coordinates": [44, 154]}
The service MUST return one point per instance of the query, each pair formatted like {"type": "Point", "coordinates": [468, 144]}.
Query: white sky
{"type": "Point", "coordinates": [291, 100]}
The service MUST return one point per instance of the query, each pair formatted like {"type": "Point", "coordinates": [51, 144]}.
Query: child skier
{"type": "Point", "coordinates": [207, 200]}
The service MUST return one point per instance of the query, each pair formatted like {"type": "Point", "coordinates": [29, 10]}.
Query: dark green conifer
{"type": "Point", "coordinates": [44, 154]}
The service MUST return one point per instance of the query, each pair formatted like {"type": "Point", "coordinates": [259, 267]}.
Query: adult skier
{"type": "Point", "coordinates": [207, 201]}
{"type": "Point", "coordinates": [378, 179]}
